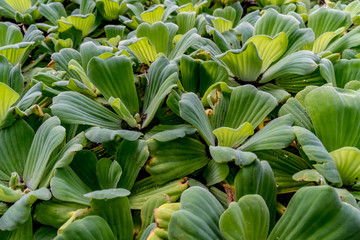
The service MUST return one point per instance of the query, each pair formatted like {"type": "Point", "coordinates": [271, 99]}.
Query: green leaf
{"type": "Point", "coordinates": [147, 188]}
{"type": "Point", "coordinates": [84, 23]}
{"type": "Point", "coordinates": [277, 92]}
{"type": "Point", "coordinates": [270, 49]}
{"type": "Point", "coordinates": [327, 71]}
{"type": "Point", "coordinates": [300, 116]}
{"type": "Point", "coordinates": [277, 134]}
{"type": "Point", "coordinates": [245, 63]}
{"type": "Point", "coordinates": [131, 155]}
{"type": "Point", "coordinates": [104, 73]}
{"type": "Point", "coordinates": [153, 15]}
{"type": "Point", "coordinates": [246, 219]}
{"type": "Point", "coordinates": [108, 194]}
{"type": "Point", "coordinates": [101, 135]}
{"type": "Point", "coordinates": [185, 42]}
{"type": "Point", "coordinates": [144, 51]}
{"type": "Point", "coordinates": [13, 156]}
{"type": "Point", "coordinates": [8, 98]}
{"type": "Point", "coordinates": [349, 40]}
{"type": "Point", "coordinates": [221, 24]}
{"type": "Point", "coordinates": [192, 111]}
{"type": "Point", "coordinates": [162, 91]}
{"type": "Point", "coordinates": [346, 160]}
{"type": "Point", "coordinates": [19, 213]}
{"type": "Point", "coordinates": [284, 165]}
{"type": "Point", "coordinates": [9, 195]}
{"type": "Point", "coordinates": [198, 217]}
{"type": "Point", "coordinates": [120, 108]}
{"type": "Point", "coordinates": [211, 72]}
{"type": "Point", "coordinates": [229, 137]}
{"type": "Point", "coordinates": [335, 113]}
{"type": "Point", "coordinates": [272, 23]}
{"type": "Point", "coordinates": [345, 71]}
{"type": "Point", "coordinates": [157, 33]}
{"type": "Point", "coordinates": [52, 11]}
{"type": "Point", "coordinates": [67, 186]}
{"type": "Point", "coordinates": [302, 63]}
{"type": "Point", "coordinates": [64, 157]}
{"type": "Point", "coordinates": [48, 137]}
{"type": "Point", "coordinates": [75, 108]}
{"type": "Point", "coordinates": [55, 213]}
{"type": "Point", "coordinates": [257, 178]}
{"type": "Point", "coordinates": [325, 20]}
{"type": "Point", "coordinates": [323, 213]}
{"type": "Point", "coordinates": [23, 232]}
{"type": "Point", "coordinates": [175, 159]}
{"type": "Point", "coordinates": [215, 172]}
{"type": "Point", "coordinates": [316, 151]}
{"type": "Point", "coordinates": [247, 104]}
{"type": "Point", "coordinates": [120, 221]}
{"type": "Point", "coordinates": [165, 133]}
{"type": "Point", "coordinates": [91, 228]}
{"type": "Point", "coordinates": [225, 154]}
{"type": "Point", "coordinates": [108, 173]}
{"type": "Point", "coordinates": [185, 21]}
{"type": "Point", "coordinates": [21, 5]}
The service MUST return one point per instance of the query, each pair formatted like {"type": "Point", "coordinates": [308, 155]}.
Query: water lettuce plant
{"type": "Point", "coordinates": [179, 119]}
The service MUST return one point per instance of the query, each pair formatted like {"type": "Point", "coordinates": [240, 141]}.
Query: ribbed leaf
{"type": "Point", "coordinates": [297, 111]}
{"type": "Point", "coordinates": [247, 104]}
{"type": "Point", "coordinates": [247, 219]}
{"type": "Point", "coordinates": [75, 108]}
{"type": "Point", "coordinates": [19, 5]}
{"type": "Point", "coordinates": [153, 15]}
{"type": "Point", "coordinates": [157, 33]}
{"type": "Point", "coordinates": [347, 162]}
{"type": "Point", "coordinates": [349, 40]}
{"type": "Point", "coordinates": [302, 63]}
{"type": "Point", "coordinates": [48, 137]}
{"type": "Point", "coordinates": [164, 133]}
{"type": "Point", "coordinates": [144, 51]}
{"type": "Point", "coordinates": [161, 92]}
{"type": "Point", "coordinates": [185, 21]}
{"type": "Point", "coordinates": [270, 49]}
{"type": "Point", "coordinates": [113, 76]}
{"type": "Point", "coordinates": [131, 155]}
{"type": "Point", "coordinates": [185, 42]}
{"type": "Point", "coordinates": [192, 111]}
{"type": "Point", "coordinates": [345, 71]}
{"type": "Point", "coordinates": [316, 151]}
{"type": "Point", "coordinates": [120, 221]}
{"type": "Point", "coordinates": [221, 24]}
{"type": "Point", "coordinates": [175, 159]}
{"type": "Point", "coordinates": [284, 165]}
{"type": "Point", "coordinates": [335, 114]}
{"type": "Point", "coordinates": [316, 213]}
{"type": "Point", "coordinates": [229, 137]}
{"type": "Point", "coordinates": [245, 63]}
{"type": "Point", "coordinates": [15, 142]}
{"type": "Point", "coordinates": [147, 188]}
{"type": "Point", "coordinates": [198, 217]}
{"type": "Point", "coordinates": [90, 228]}
{"type": "Point", "coordinates": [8, 98]}
{"type": "Point", "coordinates": [257, 178]}
{"type": "Point", "coordinates": [52, 11]}
{"type": "Point", "coordinates": [20, 211]}
{"type": "Point", "coordinates": [277, 134]}
{"type": "Point", "coordinates": [272, 23]}
{"type": "Point", "coordinates": [215, 172]}
{"type": "Point", "coordinates": [225, 154]}
{"type": "Point", "coordinates": [325, 20]}
{"type": "Point", "coordinates": [101, 135]}
{"type": "Point", "coordinates": [81, 22]}
{"type": "Point", "coordinates": [67, 186]}
{"type": "Point", "coordinates": [108, 173]}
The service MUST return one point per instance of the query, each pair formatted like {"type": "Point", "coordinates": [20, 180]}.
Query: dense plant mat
{"type": "Point", "coordinates": [179, 119]}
